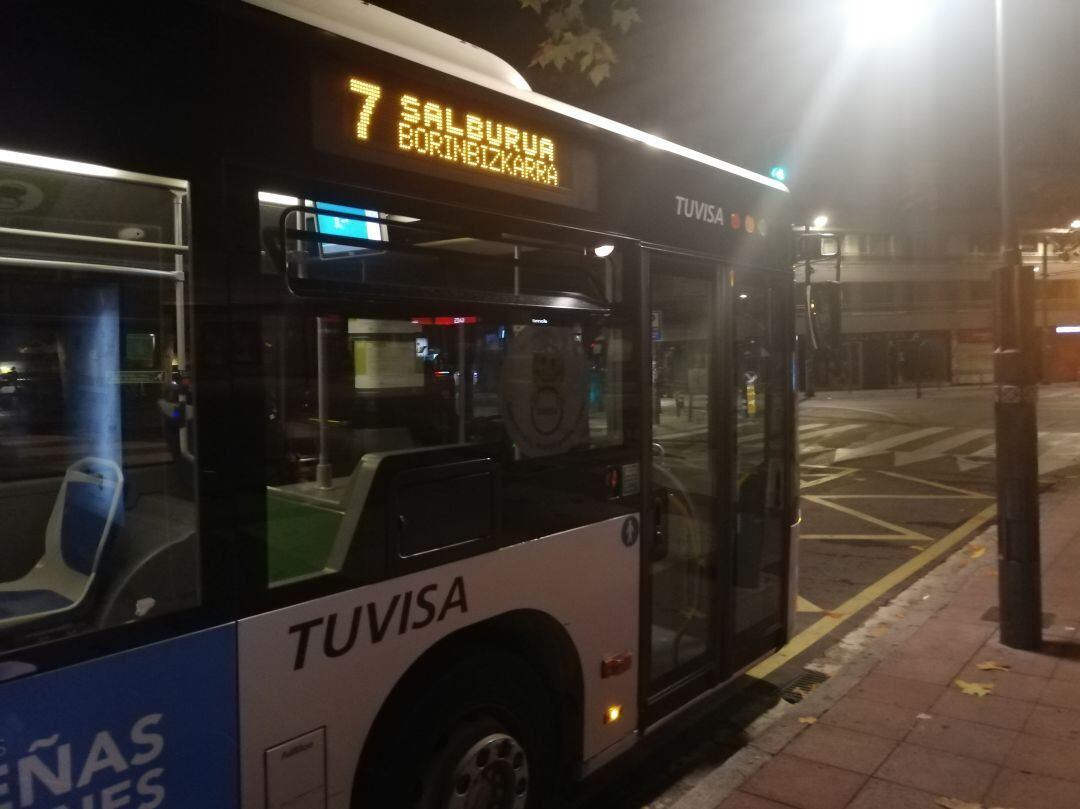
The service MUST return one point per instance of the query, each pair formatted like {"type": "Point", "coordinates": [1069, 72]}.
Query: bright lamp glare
{"type": "Point", "coordinates": [1075, 224]}
{"type": "Point", "coordinates": [603, 250]}
{"type": "Point", "coordinates": [821, 221]}
{"type": "Point", "coordinates": [872, 22]}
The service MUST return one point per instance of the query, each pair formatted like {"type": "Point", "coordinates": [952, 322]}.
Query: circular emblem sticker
{"type": "Point", "coordinates": [17, 196]}
{"type": "Point", "coordinates": [544, 390]}
{"type": "Point", "coordinates": [631, 530]}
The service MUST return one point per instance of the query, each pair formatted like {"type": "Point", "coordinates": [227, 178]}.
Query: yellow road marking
{"type": "Point", "coordinates": [875, 537]}
{"type": "Point", "coordinates": [933, 484]}
{"type": "Point", "coordinates": [826, 624]}
{"type": "Point", "coordinates": [825, 478]}
{"type": "Point", "coordinates": [906, 496]}
{"type": "Point", "coordinates": [899, 532]}
{"type": "Point", "coordinates": [805, 605]}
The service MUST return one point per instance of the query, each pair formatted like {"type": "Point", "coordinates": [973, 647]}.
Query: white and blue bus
{"type": "Point", "coordinates": [374, 432]}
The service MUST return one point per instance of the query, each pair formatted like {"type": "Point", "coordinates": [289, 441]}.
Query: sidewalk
{"type": "Point", "coordinates": [893, 727]}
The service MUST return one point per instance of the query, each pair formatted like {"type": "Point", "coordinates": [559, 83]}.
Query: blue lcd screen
{"type": "Point", "coordinates": [330, 225]}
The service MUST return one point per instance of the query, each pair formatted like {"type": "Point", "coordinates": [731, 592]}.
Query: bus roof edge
{"type": "Point", "coordinates": [386, 31]}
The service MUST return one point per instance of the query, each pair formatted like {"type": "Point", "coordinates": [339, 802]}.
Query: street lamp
{"type": "Point", "coordinates": [872, 22]}
{"type": "Point", "coordinates": [821, 220]}
{"type": "Point", "coordinates": [1075, 224]}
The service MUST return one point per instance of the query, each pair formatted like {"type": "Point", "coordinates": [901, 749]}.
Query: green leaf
{"type": "Point", "coordinates": [599, 73]}
{"type": "Point", "coordinates": [624, 18]}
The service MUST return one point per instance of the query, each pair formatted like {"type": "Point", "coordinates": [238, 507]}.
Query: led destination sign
{"type": "Point", "coordinates": [469, 135]}
{"type": "Point", "coordinates": [432, 128]}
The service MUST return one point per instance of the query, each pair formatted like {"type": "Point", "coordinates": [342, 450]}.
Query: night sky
{"type": "Point", "coordinates": [895, 123]}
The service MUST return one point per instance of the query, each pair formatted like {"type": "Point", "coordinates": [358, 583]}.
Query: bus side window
{"type": "Point", "coordinates": [96, 422]}
{"type": "Point", "coordinates": [438, 435]}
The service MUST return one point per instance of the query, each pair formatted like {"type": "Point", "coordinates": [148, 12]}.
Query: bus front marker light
{"type": "Point", "coordinates": [612, 714]}
{"type": "Point", "coordinates": [616, 664]}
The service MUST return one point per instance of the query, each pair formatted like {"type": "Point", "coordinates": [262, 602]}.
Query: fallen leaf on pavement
{"type": "Point", "coordinates": [830, 614]}
{"type": "Point", "coordinates": [917, 547]}
{"type": "Point", "coordinates": [879, 630]}
{"type": "Point", "coordinates": [974, 689]}
{"type": "Point", "coordinates": [992, 665]}
{"type": "Point", "coordinates": [923, 716]}
{"type": "Point", "coordinates": [956, 803]}
{"type": "Point", "coordinates": [977, 551]}
{"type": "Point", "coordinates": [807, 720]}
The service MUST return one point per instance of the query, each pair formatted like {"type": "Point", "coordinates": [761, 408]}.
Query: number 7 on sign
{"type": "Point", "coordinates": [370, 93]}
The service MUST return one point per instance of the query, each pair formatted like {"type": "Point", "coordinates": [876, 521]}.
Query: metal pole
{"type": "Point", "coordinates": [808, 355]}
{"type": "Point", "coordinates": [1019, 578]}
{"type": "Point", "coordinates": [1045, 287]}
{"type": "Point", "coordinates": [918, 366]}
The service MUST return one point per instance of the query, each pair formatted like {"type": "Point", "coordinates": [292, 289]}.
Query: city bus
{"type": "Point", "coordinates": [374, 432]}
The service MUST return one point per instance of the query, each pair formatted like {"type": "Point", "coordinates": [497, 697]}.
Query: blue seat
{"type": "Point", "coordinates": [76, 538]}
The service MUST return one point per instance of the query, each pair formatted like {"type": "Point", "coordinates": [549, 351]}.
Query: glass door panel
{"type": "Point", "coordinates": [684, 467]}
{"type": "Point", "coordinates": [761, 419]}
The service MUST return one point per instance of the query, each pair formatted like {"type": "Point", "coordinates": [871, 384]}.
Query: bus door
{"type": "Point", "coordinates": [682, 598]}
{"type": "Point", "coordinates": [762, 560]}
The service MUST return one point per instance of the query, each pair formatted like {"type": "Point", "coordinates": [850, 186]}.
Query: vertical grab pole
{"type": "Point", "coordinates": [180, 298]}
{"type": "Point", "coordinates": [178, 265]}
{"type": "Point", "coordinates": [324, 475]}
{"type": "Point", "coordinates": [462, 382]}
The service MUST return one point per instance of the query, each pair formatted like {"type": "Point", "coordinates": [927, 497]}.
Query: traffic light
{"type": "Point", "coordinates": [779, 173]}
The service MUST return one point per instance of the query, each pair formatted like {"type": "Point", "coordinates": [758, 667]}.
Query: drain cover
{"type": "Point", "coordinates": [802, 685]}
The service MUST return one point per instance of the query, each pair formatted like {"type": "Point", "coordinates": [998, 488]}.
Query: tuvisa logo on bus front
{"type": "Point", "coordinates": [713, 214]}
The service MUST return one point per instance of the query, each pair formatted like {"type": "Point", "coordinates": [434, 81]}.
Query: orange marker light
{"type": "Point", "coordinates": [612, 714]}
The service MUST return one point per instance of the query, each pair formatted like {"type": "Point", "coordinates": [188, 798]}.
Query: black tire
{"type": "Point", "coordinates": [491, 705]}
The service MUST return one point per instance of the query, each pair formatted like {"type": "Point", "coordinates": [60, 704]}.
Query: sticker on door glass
{"type": "Point", "coordinates": [544, 390]}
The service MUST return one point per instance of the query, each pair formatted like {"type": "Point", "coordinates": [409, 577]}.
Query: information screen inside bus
{"type": "Point", "coordinates": [366, 114]}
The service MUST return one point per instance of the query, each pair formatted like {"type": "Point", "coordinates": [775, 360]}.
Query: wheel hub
{"type": "Point", "coordinates": [493, 774]}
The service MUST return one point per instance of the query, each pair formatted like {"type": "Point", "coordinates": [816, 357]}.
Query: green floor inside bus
{"type": "Point", "coordinates": [299, 537]}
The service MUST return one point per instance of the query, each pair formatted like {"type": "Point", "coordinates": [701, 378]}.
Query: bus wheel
{"type": "Point", "coordinates": [482, 736]}
{"type": "Point", "coordinates": [482, 766]}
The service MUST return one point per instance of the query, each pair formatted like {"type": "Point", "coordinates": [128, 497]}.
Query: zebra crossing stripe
{"type": "Point", "coordinates": [939, 448]}
{"type": "Point", "coordinates": [885, 444]}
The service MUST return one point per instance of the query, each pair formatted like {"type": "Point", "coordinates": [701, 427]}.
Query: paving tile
{"type": "Point", "coordinates": [946, 639]}
{"type": "Point", "coordinates": [867, 716]}
{"type": "Point", "coordinates": [804, 784]}
{"type": "Point", "coordinates": [842, 748]}
{"type": "Point", "coordinates": [1001, 712]}
{"type": "Point", "coordinates": [1009, 684]}
{"type": "Point", "coordinates": [964, 738]}
{"type": "Point", "coordinates": [879, 794]}
{"type": "Point", "coordinates": [1054, 723]}
{"type": "Point", "coordinates": [1038, 754]}
{"type": "Point", "coordinates": [1061, 693]}
{"type": "Point", "coordinates": [929, 669]}
{"type": "Point", "coordinates": [938, 772]}
{"type": "Point", "coordinates": [1068, 665]}
{"type": "Point", "coordinates": [1037, 664]}
{"type": "Point", "coordinates": [1030, 791]}
{"type": "Point", "coordinates": [899, 691]}
{"type": "Point", "coordinates": [744, 800]}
